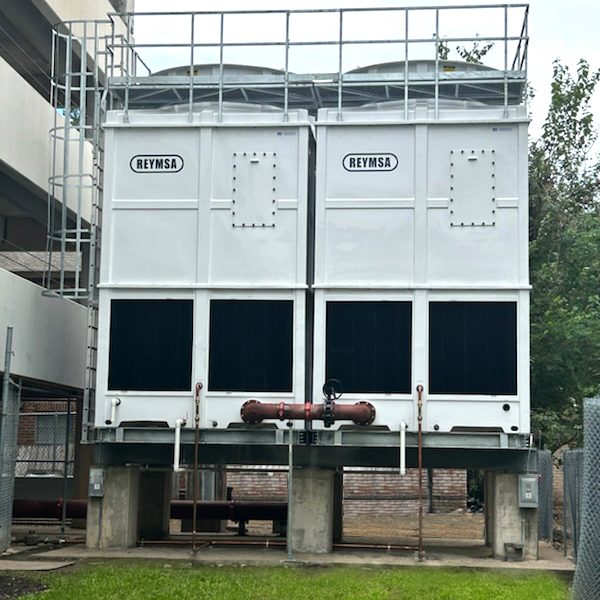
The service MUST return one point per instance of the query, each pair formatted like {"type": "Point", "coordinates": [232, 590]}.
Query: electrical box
{"type": "Point", "coordinates": [96, 483]}
{"type": "Point", "coordinates": [528, 491]}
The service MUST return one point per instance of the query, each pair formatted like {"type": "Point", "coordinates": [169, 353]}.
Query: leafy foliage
{"type": "Point", "coordinates": [470, 55]}
{"type": "Point", "coordinates": [564, 231]}
{"type": "Point", "coordinates": [475, 53]}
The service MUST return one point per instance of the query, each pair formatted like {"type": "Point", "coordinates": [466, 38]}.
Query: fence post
{"type": "Point", "coordinates": [6, 378]}
{"type": "Point", "coordinates": [7, 450]}
{"type": "Point", "coordinates": [546, 504]}
{"type": "Point", "coordinates": [587, 575]}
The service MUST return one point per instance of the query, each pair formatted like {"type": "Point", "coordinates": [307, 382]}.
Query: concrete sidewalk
{"type": "Point", "coordinates": [474, 556]}
{"type": "Point", "coordinates": [33, 565]}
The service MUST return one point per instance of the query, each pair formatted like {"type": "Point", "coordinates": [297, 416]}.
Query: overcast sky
{"type": "Point", "coordinates": [564, 29]}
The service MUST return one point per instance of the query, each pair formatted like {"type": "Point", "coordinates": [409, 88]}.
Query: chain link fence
{"type": "Point", "coordinates": [572, 494]}
{"type": "Point", "coordinates": [8, 452]}
{"type": "Point", "coordinates": [587, 574]}
{"type": "Point", "coordinates": [546, 496]}
{"type": "Point", "coordinates": [46, 441]}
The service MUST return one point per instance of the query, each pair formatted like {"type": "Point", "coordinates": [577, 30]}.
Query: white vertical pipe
{"type": "Point", "coordinates": [403, 448]}
{"type": "Point", "coordinates": [113, 410]}
{"type": "Point", "coordinates": [176, 451]}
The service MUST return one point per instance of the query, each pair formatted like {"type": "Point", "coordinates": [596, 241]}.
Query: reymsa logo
{"type": "Point", "coordinates": [156, 163]}
{"type": "Point", "coordinates": [370, 161]}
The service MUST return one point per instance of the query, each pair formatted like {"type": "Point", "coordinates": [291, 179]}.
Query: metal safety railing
{"type": "Point", "coordinates": [415, 33]}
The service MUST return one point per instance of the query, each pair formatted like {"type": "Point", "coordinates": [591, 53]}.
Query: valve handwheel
{"type": "Point", "coordinates": [332, 389]}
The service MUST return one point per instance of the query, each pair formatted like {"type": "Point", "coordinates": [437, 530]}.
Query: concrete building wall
{"type": "Point", "coordinates": [25, 122]}
{"type": "Point", "coordinates": [49, 336]}
{"type": "Point", "coordinates": [65, 10]}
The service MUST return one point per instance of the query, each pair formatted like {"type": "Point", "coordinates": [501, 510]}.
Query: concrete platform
{"type": "Point", "coordinates": [463, 555]}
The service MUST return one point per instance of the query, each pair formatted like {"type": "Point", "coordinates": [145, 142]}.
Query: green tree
{"type": "Point", "coordinates": [564, 231]}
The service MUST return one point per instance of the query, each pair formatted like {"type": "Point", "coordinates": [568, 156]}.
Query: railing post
{"type": "Point", "coordinates": [287, 67]}
{"type": "Point", "coordinates": [220, 114]}
{"type": "Point", "coordinates": [437, 63]}
{"type": "Point", "coordinates": [191, 88]}
{"type": "Point", "coordinates": [505, 61]}
{"type": "Point", "coordinates": [406, 12]}
{"type": "Point", "coordinates": [340, 66]}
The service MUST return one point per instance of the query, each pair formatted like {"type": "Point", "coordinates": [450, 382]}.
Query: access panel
{"type": "Point", "coordinates": [368, 346]}
{"type": "Point", "coordinates": [251, 344]}
{"type": "Point", "coordinates": [473, 348]}
{"type": "Point", "coordinates": [150, 345]}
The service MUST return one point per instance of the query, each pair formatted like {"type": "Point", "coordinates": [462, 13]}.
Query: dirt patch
{"type": "Point", "coordinates": [386, 528]}
{"type": "Point", "coordinates": [13, 587]}
{"type": "Point", "coordinates": [462, 526]}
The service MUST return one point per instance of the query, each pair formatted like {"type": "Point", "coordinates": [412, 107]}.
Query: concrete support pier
{"type": "Point", "coordinates": [509, 529]}
{"type": "Point", "coordinates": [135, 504]}
{"type": "Point", "coordinates": [312, 510]}
{"type": "Point", "coordinates": [112, 519]}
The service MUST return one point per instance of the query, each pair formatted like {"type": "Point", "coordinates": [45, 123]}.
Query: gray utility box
{"type": "Point", "coordinates": [96, 483]}
{"type": "Point", "coordinates": [528, 491]}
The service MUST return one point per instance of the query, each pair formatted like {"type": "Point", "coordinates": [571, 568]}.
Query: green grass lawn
{"type": "Point", "coordinates": [180, 581]}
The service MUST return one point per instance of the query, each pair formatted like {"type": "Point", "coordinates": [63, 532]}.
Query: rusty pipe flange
{"type": "Point", "coordinates": [369, 420]}
{"type": "Point", "coordinates": [248, 415]}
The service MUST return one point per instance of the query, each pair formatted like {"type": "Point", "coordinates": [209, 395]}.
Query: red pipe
{"type": "Point", "coordinates": [180, 509]}
{"type": "Point", "coordinates": [253, 412]}
{"type": "Point", "coordinates": [49, 509]}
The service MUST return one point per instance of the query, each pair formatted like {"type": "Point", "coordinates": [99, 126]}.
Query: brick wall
{"type": "Point", "coordinates": [259, 483]}
{"type": "Point", "coordinates": [366, 492]}
{"type": "Point", "coordinates": [28, 424]}
{"type": "Point", "coordinates": [373, 491]}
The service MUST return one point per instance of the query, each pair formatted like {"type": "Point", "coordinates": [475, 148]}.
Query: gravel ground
{"type": "Point", "coordinates": [13, 587]}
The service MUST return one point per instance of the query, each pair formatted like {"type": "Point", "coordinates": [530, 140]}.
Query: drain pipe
{"type": "Point", "coordinates": [420, 453]}
{"type": "Point", "coordinates": [179, 423]}
{"type": "Point", "coordinates": [113, 411]}
{"type": "Point", "coordinates": [403, 448]}
{"type": "Point", "coordinates": [290, 553]}
{"type": "Point", "coordinates": [195, 476]}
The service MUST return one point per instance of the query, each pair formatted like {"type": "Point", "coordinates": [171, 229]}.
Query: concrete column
{"type": "Point", "coordinates": [154, 505]}
{"type": "Point", "coordinates": [506, 523]}
{"type": "Point", "coordinates": [338, 507]}
{"type": "Point", "coordinates": [312, 510]}
{"type": "Point", "coordinates": [488, 499]}
{"type": "Point", "coordinates": [112, 519]}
